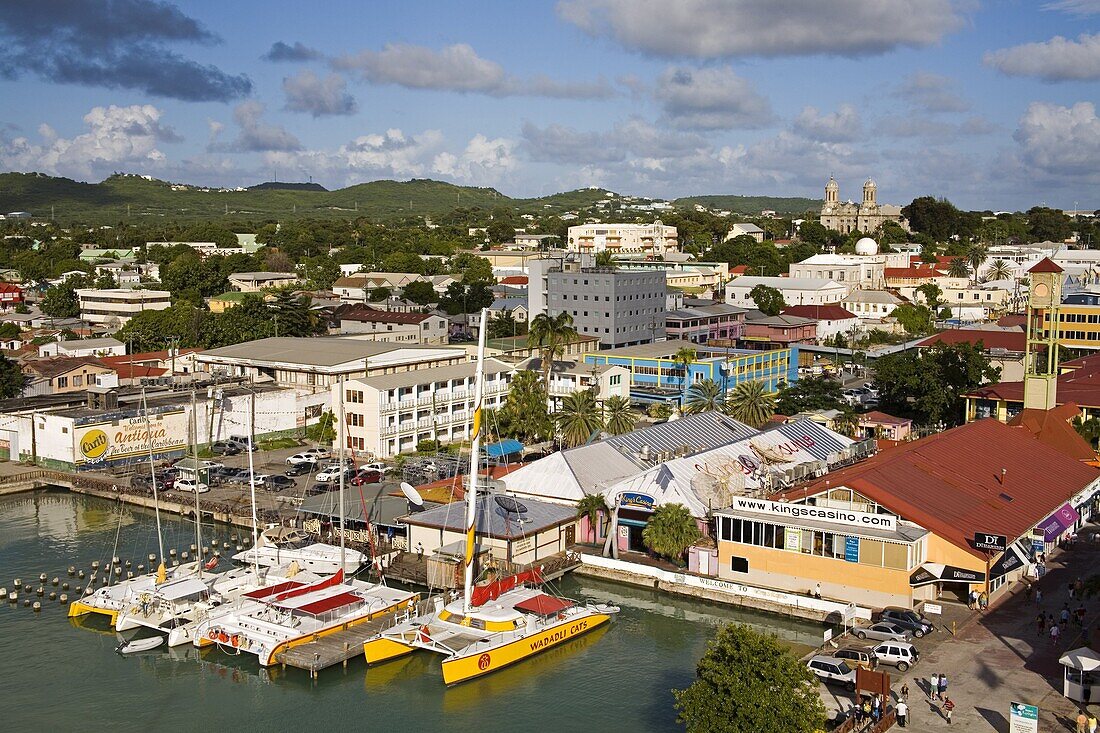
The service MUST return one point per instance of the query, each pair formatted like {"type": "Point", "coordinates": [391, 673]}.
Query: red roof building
{"type": "Point", "coordinates": [1078, 383]}
{"type": "Point", "coordinates": [514, 280]}
{"type": "Point", "coordinates": [11, 295]}
{"type": "Point", "coordinates": [1008, 340]}
{"type": "Point", "coordinates": [1055, 428]}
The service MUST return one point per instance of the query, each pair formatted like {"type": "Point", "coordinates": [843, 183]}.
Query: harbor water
{"type": "Point", "coordinates": [64, 675]}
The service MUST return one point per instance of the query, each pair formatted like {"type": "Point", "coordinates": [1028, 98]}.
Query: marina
{"type": "Point", "coordinates": [651, 648]}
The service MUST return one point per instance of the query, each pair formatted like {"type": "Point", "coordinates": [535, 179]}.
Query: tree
{"type": "Point", "coordinates": [975, 256]}
{"type": "Point", "coordinates": [618, 416]}
{"type": "Point", "coordinates": [604, 259]}
{"type": "Point", "coordinates": [768, 299]}
{"type": "Point", "coordinates": [320, 272]}
{"type": "Point", "coordinates": [1088, 429]}
{"type": "Point", "coordinates": [810, 393]}
{"type": "Point", "coordinates": [592, 506]}
{"type": "Point", "coordinates": [999, 270]}
{"type": "Point", "coordinates": [60, 301]}
{"type": "Point", "coordinates": [377, 295]}
{"type": "Point", "coordinates": [500, 231]}
{"type": "Point", "coordinates": [814, 233]}
{"type": "Point", "coordinates": [472, 268]}
{"type": "Point", "coordinates": [290, 314]}
{"type": "Point", "coordinates": [749, 681]}
{"type": "Point", "coordinates": [194, 278]}
{"type": "Point", "coordinates": [751, 403]}
{"type": "Point", "coordinates": [915, 319]}
{"type": "Point", "coordinates": [420, 292]}
{"type": "Point", "coordinates": [12, 380]}
{"type": "Point", "coordinates": [847, 422]}
{"type": "Point", "coordinates": [670, 531]}
{"type": "Point", "coordinates": [10, 331]}
{"type": "Point", "coordinates": [524, 415]}
{"type": "Point", "coordinates": [958, 268]}
{"type": "Point", "coordinates": [684, 357]}
{"type": "Point", "coordinates": [704, 396]}
{"type": "Point", "coordinates": [504, 325]}
{"type": "Point", "coordinates": [925, 385]}
{"type": "Point", "coordinates": [549, 334]}
{"type": "Point", "coordinates": [579, 418]}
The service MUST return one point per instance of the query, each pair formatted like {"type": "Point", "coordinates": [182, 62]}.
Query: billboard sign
{"type": "Point", "coordinates": [129, 438]}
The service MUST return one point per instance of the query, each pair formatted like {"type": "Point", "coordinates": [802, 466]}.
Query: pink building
{"type": "Point", "coordinates": [701, 324]}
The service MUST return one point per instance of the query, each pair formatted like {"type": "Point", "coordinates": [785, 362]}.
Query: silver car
{"type": "Point", "coordinates": [883, 631]}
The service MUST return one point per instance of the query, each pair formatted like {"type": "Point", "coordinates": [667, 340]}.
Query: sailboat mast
{"type": "Point", "coordinates": [252, 484]}
{"type": "Point", "coordinates": [471, 484]}
{"type": "Point", "coordinates": [195, 457]}
{"type": "Point", "coordinates": [340, 457]}
{"type": "Point", "coordinates": [152, 472]}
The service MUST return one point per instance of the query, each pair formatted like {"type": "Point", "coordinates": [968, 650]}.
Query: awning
{"type": "Point", "coordinates": [1011, 559]}
{"type": "Point", "coordinates": [503, 448]}
{"type": "Point", "coordinates": [1084, 659]}
{"type": "Point", "coordinates": [543, 605]}
{"type": "Point", "coordinates": [183, 588]}
{"type": "Point", "coordinates": [1058, 522]}
{"type": "Point", "coordinates": [934, 572]}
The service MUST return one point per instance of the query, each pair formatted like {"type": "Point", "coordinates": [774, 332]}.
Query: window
{"type": "Point", "coordinates": [78, 381]}
{"type": "Point", "coordinates": [739, 564]}
{"type": "Point", "coordinates": [62, 381]}
{"type": "Point", "coordinates": [355, 396]}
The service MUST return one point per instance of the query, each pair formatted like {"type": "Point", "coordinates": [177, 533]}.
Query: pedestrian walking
{"type": "Point", "coordinates": [972, 601]}
{"type": "Point", "coordinates": [943, 687]}
{"type": "Point", "coordinates": [1038, 596]}
{"type": "Point", "coordinates": [1055, 632]}
{"type": "Point", "coordinates": [1081, 615]}
{"type": "Point", "coordinates": [1082, 722]}
{"type": "Point", "coordinates": [876, 708]}
{"type": "Point", "coordinates": [902, 711]}
{"type": "Point", "coordinates": [1065, 614]}
{"type": "Point", "coordinates": [1040, 624]}
{"type": "Point", "coordinates": [905, 693]}
{"type": "Point", "coordinates": [933, 687]}
{"type": "Point", "coordinates": [948, 706]}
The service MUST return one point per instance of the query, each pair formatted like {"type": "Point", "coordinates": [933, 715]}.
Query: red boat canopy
{"type": "Point", "coordinates": [328, 604]}
{"type": "Point", "coordinates": [261, 593]}
{"type": "Point", "coordinates": [485, 593]}
{"type": "Point", "coordinates": [543, 605]}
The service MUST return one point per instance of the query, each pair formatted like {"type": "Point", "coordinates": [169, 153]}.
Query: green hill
{"type": "Point", "coordinates": [136, 197]}
{"type": "Point", "coordinates": [752, 204]}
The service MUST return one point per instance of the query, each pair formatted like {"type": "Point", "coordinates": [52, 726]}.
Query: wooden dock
{"type": "Point", "coordinates": [341, 646]}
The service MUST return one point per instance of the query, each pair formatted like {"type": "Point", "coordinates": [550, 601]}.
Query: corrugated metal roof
{"type": "Point", "coordinates": [698, 432]}
{"type": "Point", "coordinates": [494, 521]}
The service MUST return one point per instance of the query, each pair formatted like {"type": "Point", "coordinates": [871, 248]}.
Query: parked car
{"type": "Point", "coordinates": [382, 468]}
{"type": "Point", "coordinates": [299, 469]}
{"type": "Point", "coordinates": [243, 442]}
{"type": "Point", "coordinates": [224, 448]}
{"type": "Point", "coordinates": [261, 479]}
{"type": "Point", "coordinates": [332, 473]}
{"type": "Point", "coordinates": [852, 397]}
{"type": "Point", "coordinates": [235, 475]}
{"type": "Point", "coordinates": [900, 654]}
{"type": "Point", "coordinates": [221, 475]}
{"type": "Point", "coordinates": [276, 482]}
{"type": "Point", "coordinates": [317, 489]}
{"type": "Point", "coordinates": [210, 464]}
{"type": "Point", "coordinates": [190, 485]}
{"type": "Point", "coordinates": [300, 458]}
{"type": "Point", "coordinates": [907, 619]}
{"type": "Point", "coordinates": [856, 657]}
{"type": "Point", "coordinates": [832, 670]}
{"type": "Point", "coordinates": [321, 453]}
{"type": "Point", "coordinates": [883, 630]}
{"type": "Point", "coordinates": [366, 476]}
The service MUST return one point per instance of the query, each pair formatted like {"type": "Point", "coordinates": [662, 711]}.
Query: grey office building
{"type": "Point", "coordinates": [622, 308]}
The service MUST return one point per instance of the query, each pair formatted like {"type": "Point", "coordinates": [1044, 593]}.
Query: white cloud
{"type": "Point", "coordinates": [458, 68]}
{"type": "Point", "coordinates": [1075, 7]}
{"type": "Point", "coordinates": [307, 92]}
{"type": "Point", "coordinates": [255, 136]}
{"type": "Point", "coordinates": [117, 137]}
{"type": "Point", "coordinates": [931, 93]}
{"type": "Point", "coordinates": [841, 126]}
{"type": "Point", "coordinates": [1060, 141]}
{"type": "Point", "coordinates": [1059, 59]}
{"type": "Point", "coordinates": [482, 160]}
{"type": "Point", "coordinates": [711, 99]}
{"type": "Point", "coordinates": [733, 28]}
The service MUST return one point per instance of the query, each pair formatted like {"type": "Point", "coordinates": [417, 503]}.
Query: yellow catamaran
{"type": "Point", "coordinates": [489, 627]}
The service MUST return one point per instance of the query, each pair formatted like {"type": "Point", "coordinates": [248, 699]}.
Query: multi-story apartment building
{"type": "Point", "coordinates": [392, 326]}
{"type": "Point", "coordinates": [655, 239]}
{"type": "Point", "coordinates": [115, 307]}
{"type": "Point", "coordinates": [387, 414]}
{"type": "Point", "coordinates": [700, 324]}
{"type": "Point", "coordinates": [795, 290]}
{"type": "Point", "coordinates": [621, 308]}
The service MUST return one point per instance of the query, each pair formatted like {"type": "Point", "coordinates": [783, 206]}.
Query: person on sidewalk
{"type": "Point", "coordinates": [1082, 722]}
{"type": "Point", "coordinates": [1065, 614]}
{"type": "Point", "coordinates": [1040, 624]}
{"type": "Point", "coordinates": [905, 692]}
{"type": "Point", "coordinates": [1092, 722]}
{"type": "Point", "coordinates": [1055, 632]}
{"type": "Point", "coordinates": [902, 711]}
{"type": "Point", "coordinates": [948, 706]}
{"type": "Point", "coordinates": [943, 687]}
{"type": "Point", "coordinates": [933, 687]}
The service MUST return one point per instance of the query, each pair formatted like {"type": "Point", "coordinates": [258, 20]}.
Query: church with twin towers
{"type": "Point", "coordinates": [867, 216]}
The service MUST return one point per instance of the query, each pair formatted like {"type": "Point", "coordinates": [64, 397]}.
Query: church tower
{"type": "Point", "coordinates": [832, 191]}
{"type": "Point", "coordinates": [869, 193]}
{"type": "Point", "coordinates": [1041, 359]}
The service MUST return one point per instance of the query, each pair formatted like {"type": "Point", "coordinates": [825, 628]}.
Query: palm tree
{"type": "Point", "coordinates": [591, 506]}
{"type": "Point", "coordinates": [604, 259]}
{"type": "Point", "coordinates": [958, 268]}
{"type": "Point", "coordinates": [670, 531]}
{"type": "Point", "coordinates": [549, 334]}
{"type": "Point", "coordinates": [617, 416]}
{"type": "Point", "coordinates": [999, 270]}
{"type": "Point", "coordinates": [975, 256]}
{"type": "Point", "coordinates": [847, 422]}
{"type": "Point", "coordinates": [684, 358]}
{"type": "Point", "coordinates": [578, 418]}
{"type": "Point", "coordinates": [751, 402]}
{"type": "Point", "coordinates": [704, 396]}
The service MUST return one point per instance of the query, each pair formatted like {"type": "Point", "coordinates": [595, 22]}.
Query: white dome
{"type": "Point", "coordinates": [866, 246]}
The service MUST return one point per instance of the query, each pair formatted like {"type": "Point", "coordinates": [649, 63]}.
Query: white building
{"type": "Point", "coordinates": [315, 364]}
{"type": "Point", "coordinates": [656, 238]}
{"type": "Point", "coordinates": [116, 306]}
{"type": "Point", "coordinates": [83, 347]}
{"type": "Point", "coordinates": [851, 271]}
{"type": "Point", "coordinates": [746, 229]}
{"type": "Point", "coordinates": [392, 326]}
{"type": "Point", "coordinates": [254, 282]}
{"type": "Point", "coordinates": [871, 304]}
{"type": "Point", "coordinates": [795, 290]}
{"type": "Point", "coordinates": [389, 414]}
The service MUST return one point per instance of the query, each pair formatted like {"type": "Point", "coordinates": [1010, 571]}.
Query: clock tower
{"type": "Point", "coordinates": [1041, 360]}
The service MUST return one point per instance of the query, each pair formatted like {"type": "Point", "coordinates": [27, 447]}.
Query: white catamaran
{"type": "Point", "coordinates": [489, 627]}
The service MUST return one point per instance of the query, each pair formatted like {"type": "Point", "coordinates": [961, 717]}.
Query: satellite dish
{"type": "Point", "coordinates": [510, 505]}
{"type": "Point", "coordinates": [412, 494]}
{"type": "Point", "coordinates": [712, 490]}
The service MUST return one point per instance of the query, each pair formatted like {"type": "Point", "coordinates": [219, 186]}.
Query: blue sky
{"type": "Point", "coordinates": [991, 104]}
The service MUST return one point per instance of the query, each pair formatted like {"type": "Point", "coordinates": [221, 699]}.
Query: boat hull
{"type": "Point", "coordinates": [382, 649]}
{"type": "Point", "coordinates": [476, 664]}
{"type": "Point", "coordinates": [79, 608]}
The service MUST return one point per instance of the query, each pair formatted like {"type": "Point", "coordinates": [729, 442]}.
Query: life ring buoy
{"type": "Point", "coordinates": [223, 637]}
{"type": "Point", "coordinates": [235, 640]}
{"type": "Point", "coordinates": [423, 635]}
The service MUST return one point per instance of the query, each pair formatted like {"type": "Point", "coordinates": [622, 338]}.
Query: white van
{"type": "Point", "coordinates": [242, 442]}
{"type": "Point", "coordinates": [833, 670]}
{"type": "Point", "coordinates": [900, 654]}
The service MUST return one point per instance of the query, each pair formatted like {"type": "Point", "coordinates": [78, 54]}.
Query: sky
{"type": "Point", "coordinates": [990, 103]}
